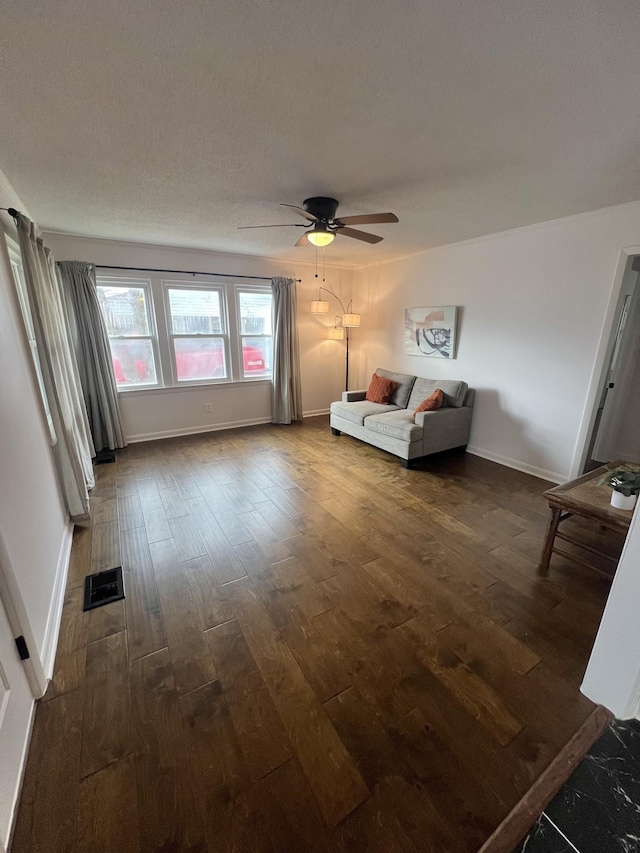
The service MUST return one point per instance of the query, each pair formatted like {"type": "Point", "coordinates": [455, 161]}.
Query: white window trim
{"type": "Point", "coordinates": [224, 336]}
{"type": "Point", "coordinates": [146, 285]}
{"type": "Point", "coordinates": [157, 299]}
{"type": "Point", "coordinates": [185, 386]}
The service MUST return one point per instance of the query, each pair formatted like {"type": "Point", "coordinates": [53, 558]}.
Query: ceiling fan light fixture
{"type": "Point", "coordinates": [323, 225]}
{"type": "Point", "coordinates": [320, 235]}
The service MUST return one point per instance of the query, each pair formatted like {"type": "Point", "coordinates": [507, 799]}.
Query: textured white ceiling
{"type": "Point", "coordinates": [175, 122]}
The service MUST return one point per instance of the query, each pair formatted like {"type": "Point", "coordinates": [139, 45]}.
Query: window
{"type": "Point", "coordinates": [23, 298]}
{"type": "Point", "coordinates": [198, 333]}
{"type": "Point", "coordinates": [256, 334]}
{"type": "Point", "coordinates": [126, 311]}
{"type": "Point", "coordinates": [172, 333]}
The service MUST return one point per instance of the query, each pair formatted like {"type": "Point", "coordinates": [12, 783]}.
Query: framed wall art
{"type": "Point", "coordinates": [430, 332]}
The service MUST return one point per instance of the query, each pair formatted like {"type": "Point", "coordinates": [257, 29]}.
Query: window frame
{"type": "Point", "coordinates": [250, 288]}
{"type": "Point", "coordinates": [17, 271]}
{"type": "Point", "coordinates": [225, 335]}
{"type": "Point", "coordinates": [145, 285]}
{"type": "Point", "coordinates": [156, 287]}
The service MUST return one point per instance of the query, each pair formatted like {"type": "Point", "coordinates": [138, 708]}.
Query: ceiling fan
{"type": "Point", "coordinates": [321, 212]}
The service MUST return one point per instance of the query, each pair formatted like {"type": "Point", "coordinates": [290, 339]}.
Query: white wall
{"type": "Point", "coordinates": [532, 306]}
{"type": "Point", "coordinates": [613, 674]}
{"type": "Point", "coordinates": [153, 413]}
{"type": "Point", "coordinates": [33, 521]}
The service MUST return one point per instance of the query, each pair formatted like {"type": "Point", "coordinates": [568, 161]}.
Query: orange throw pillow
{"type": "Point", "coordinates": [432, 403]}
{"type": "Point", "coordinates": [381, 390]}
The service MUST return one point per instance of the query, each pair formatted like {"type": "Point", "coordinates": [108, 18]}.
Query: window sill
{"type": "Point", "coordinates": [164, 389]}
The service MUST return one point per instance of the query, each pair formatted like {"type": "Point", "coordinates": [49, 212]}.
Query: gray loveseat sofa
{"type": "Point", "coordinates": [392, 427]}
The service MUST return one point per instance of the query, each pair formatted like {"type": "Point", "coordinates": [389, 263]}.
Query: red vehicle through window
{"type": "Point", "coordinates": [207, 364]}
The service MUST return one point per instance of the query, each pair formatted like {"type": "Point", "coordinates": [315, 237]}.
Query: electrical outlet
{"type": "Point", "coordinates": [207, 407]}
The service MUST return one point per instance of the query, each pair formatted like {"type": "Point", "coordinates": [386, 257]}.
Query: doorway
{"type": "Point", "coordinates": [16, 710]}
{"type": "Point", "coordinates": [616, 429]}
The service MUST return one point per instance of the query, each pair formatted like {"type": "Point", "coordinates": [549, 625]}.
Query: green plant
{"type": "Point", "coordinates": [624, 480]}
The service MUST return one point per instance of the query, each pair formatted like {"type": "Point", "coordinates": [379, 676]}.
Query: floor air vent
{"type": "Point", "coordinates": [103, 588]}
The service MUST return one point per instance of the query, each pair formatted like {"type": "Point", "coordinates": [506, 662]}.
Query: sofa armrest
{"type": "Point", "coordinates": [430, 420]}
{"type": "Point", "coordinates": [444, 428]}
{"type": "Point", "coordinates": [353, 396]}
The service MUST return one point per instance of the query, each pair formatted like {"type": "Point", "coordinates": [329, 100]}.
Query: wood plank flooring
{"type": "Point", "coordinates": [318, 651]}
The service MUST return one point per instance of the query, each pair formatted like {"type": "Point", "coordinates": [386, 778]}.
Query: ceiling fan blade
{"type": "Point", "coordinates": [280, 225]}
{"type": "Point", "coordinates": [301, 211]}
{"type": "Point", "coordinates": [368, 218]}
{"type": "Point", "coordinates": [303, 241]}
{"type": "Point", "coordinates": [359, 235]}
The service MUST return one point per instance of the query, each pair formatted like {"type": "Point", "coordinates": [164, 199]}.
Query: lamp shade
{"type": "Point", "coordinates": [320, 238]}
{"type": "Point", "coordinates": [351, 320]}
{"type": "Point", "coordinates": [335, 333]}
{"type": "Point", "coordinates": [319, 306]}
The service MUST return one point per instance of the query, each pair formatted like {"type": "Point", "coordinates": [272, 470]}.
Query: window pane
{"type": "Point", "coordinates": [257, 357]}
{"type": "Point", "coordinates": [124, 310]}
{"type": "Point", "coordinates": [200, 358]}
{"type": "Point", "coordinates": [195, 312]}
{"type": "Point", "coordinates": [255, 313]}
{"type": "Point", "coordinates": [133, 362]}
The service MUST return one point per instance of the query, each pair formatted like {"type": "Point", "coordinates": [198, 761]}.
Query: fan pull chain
{"type": "Point", "coordinates": [324, 257]}
{"type": "Point", "coordinates": [316, 262]}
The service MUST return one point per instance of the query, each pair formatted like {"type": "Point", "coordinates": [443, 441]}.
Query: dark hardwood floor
{"type": "Point", "coordinates": [318, 651]}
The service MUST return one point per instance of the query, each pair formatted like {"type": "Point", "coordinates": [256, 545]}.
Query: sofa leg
{"type": "Point", "coordinates": [335, 431]}
{"type": "Point", "coordinates": [407, 463]}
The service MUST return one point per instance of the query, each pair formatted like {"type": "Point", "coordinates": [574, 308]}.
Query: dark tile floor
{"type": "Point", "coordinates": [598, 810]}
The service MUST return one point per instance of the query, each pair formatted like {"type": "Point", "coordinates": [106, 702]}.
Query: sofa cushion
{"type": "Point", "coordinates": [398, 424]}
{"type": "Point", "coordinates": [400, 396]}
{"type": "Point", "coordinates": [358, 411]}
{"type": "Point", "coordinates": [454, 391]}
{"type": "Point", "coordinates": [432, 403]}
{"type": "Point", "coordinates": [380, 389]}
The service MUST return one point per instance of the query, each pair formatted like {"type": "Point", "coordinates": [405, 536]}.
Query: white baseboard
{"type": "Point", "coordinates": [175, 433]}
{"type": "Point", "coordinates": [23, 767]}
{"type": "Point", "coordinates": [52, 630]}
{"type": "Point", "coordinates": [553, 476]}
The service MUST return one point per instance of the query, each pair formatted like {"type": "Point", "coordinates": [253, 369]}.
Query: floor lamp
{"type": "Point", "coordinates": [343, 323]}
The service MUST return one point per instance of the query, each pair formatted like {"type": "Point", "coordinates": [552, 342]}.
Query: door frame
{"type": "Point", "coordinates": [606, 681]}
{"type": "Point", "coordinates": [601, 365]}
{"type": "Point", "coordinates": [16, 611]}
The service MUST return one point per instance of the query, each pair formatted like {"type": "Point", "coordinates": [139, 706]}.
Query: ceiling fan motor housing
{"type": "Point", "coordinates": [322, 208]}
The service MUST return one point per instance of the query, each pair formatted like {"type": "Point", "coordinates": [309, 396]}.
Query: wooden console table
{"type": "Point", "coordinates": [585, 498]}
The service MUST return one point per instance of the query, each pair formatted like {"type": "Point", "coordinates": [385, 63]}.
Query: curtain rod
{"type": "Point", "coordinates": [14, 213]}
{"type": "Point", "coordinates": [187, 272]}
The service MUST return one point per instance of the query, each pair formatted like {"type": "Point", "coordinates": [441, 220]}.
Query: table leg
{"type": "Point", "coordinates": [552, 527]}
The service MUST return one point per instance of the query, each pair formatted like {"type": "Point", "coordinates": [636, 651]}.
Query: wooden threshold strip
{"type": "Point", "coordinates": [527, 811]}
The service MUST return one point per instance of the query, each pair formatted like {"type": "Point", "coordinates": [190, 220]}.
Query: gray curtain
{"type": "Point", "coordinates": [287, 389]}
{"type": "Point", "coordinates": [93, 355]}
{"type": "Point", "coordinates": [73, 448]}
